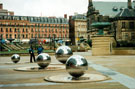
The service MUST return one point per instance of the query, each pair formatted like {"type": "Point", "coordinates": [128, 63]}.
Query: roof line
{"type": "Point", "coordinates": [122, 12]}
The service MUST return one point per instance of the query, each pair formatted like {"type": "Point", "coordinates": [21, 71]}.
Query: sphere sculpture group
{"type": "Point", "coordinates": [15, 58]}
{"type": "Point", "coordinates": [76, 66]}
{"type": "Point", "coordinates": [63, 53]}
{"type": "Point", "coordinates": [43, 60]}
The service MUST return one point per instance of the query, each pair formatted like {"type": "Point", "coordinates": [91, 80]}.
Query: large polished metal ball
{"type": "Point", "coordinates": [15, 58]}
{"type": "Point", "coordinates": [63, 53]}
{"type": "Point", "coordinates": [43, 60]}
{"type": "Point", "coordinates": [76, 66]}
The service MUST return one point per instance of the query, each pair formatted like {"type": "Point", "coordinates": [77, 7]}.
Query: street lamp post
{"type": "Point", "coordinates": [19, 36]}
{"type": "Point", "coordinates": [54, 42]}
{"type": "Point", "coordinates": [78, 38]}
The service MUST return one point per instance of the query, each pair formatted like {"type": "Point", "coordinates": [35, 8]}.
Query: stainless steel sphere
{"type": "Point", "coordinates": [15, 58]}
{"type": "Point", "coordinates": [63, 53]}
{"type": "Point", "coordinates": [76, 66]}
{"type": "Point", "coordinates": [43, 60]}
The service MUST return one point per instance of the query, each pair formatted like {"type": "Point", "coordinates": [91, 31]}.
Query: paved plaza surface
{"type": "Point", "coordinates": [119, 69]}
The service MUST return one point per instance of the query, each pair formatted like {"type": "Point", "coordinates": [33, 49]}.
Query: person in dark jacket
{"type": "Point", "coordinates": [40, 49]}
{"type": "Point", "coordinates": [31, 52]}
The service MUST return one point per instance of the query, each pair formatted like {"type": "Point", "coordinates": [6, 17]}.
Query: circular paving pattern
{"type": "Point", "coordinates": [11, 63]}
{"type": "Point", "coordinates": [37, 68]}
{"type": "Point", "coordinates": [68, 79]}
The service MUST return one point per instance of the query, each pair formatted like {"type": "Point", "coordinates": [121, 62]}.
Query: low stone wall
{"type": "Point", "coordinates": [101, 45]}
{"type": "Point", "coordinates": [123, 52]}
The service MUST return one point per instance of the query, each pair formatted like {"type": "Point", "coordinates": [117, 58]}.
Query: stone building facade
{"type": "Point", "coordinates": [124, 24]}
{"type": "Point", "coordinates": [120, 14]}
{"type": "Point", "coordinates": [77, 28]}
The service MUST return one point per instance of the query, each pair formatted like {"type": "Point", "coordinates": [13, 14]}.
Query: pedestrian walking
{"type": "Point", "coordinates": [31, 52]}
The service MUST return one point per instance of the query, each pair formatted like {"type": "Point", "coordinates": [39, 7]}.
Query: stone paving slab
{"type": "Point", "coordinates": [122, 65]}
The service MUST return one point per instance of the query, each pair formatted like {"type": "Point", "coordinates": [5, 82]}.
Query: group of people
{"type": "Point", "coordinates": [31, 52]}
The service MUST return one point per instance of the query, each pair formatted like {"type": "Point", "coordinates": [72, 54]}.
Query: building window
{"type": "Point", "coordinates": [23, 36]}
{"type": "Point", "coordinates": [1, 29]}
{"type": "Point", "coordinates": [45, 35]}
{"type": "Point", "coordinates": [133, 36]}
{"type": "Point", "coordinates": [26, 35]}
{"type": "Point", "coordinates": [23, 29]}
{"type": "Point", "coordinates": [1, 35]}
{"type": "Point", "coordinates": [131, 25]}
{"type": "Point", "coordinates": [123, 24]}
{"type": "Point", "coordinates": [35, 35]}
{"type": "Point", "coordinates": [126, 35]}
{"type": "Point", "coordinates": [18, 30]}
{"type": "Point", "coordinates": [10, 35]}
{"type": "Point", "coordinates": [18, 35]}
{"type": "Point", "coordinates": [6, 35]}
{"type": "Point", "coordinates": [54, 35]}
{"type": "Point", "coordinates": [10, 30]}
{"type": "Point", "coordinates": [31, 35]}
{"type": "Point", "coordinates": [15, 35]}
{"type": "Point", "coordinates": [32, 30]}
{"type": "Point", "coordinates": [42, 30]}
{"type": "Point", "coordinates": [15, 29]}
{"type": "Point", "coordinates": [49, 35]}
{"type": "Point", "coordinates": [45, 30]}
{"type": "Point", "coordinates": [26, 30]}
{"type": "Point", "coordinates": [6, 29]}
{"type": "Point", "coordinates": [36, 30]}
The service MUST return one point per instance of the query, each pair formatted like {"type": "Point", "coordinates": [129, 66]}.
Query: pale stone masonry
{"type": "Point", "coordinates": [101, 45]}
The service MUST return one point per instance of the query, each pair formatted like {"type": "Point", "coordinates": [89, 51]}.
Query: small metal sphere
{"type": "Point", "coordinates": [76, 65]}
{"type": "Point", "coordinates": [43, 60]}
{"type": "Point", "coordinates": [15, 58]}
{"type": "Point", "coordinates": [63, 53]}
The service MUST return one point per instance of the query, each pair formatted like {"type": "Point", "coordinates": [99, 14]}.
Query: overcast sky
{"type": "Point", "coordinates": [47, 7]}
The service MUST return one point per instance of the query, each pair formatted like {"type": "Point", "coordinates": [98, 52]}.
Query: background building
{"type": "Point", "coordinates": [4, 11]}
{"type": "Point", "coordinates": [77, 28]}
{"type": "Point", "coordinates": [124, 24]}
{"type": "Point", "coordinates": [115, 12]}
{"type": "Point", "coordinates": [28, 27]}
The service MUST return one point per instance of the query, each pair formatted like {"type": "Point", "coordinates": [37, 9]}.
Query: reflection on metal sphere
{"type": "Point", "coordinates": [63, 53]}
{"type": "Point", "coordinates": [76, 65]}
{"type": "Point", "coordinates": [15, 58]}
{"type": "Point", "coordinates": [43, 60]}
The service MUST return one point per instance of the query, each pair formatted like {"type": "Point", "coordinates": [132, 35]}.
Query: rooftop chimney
{"type": "Point", "coordinates": [70, 17]}
{"type": "Point", "coordinates": [1, 6]}
{"type": "Point", "coordinates": [65, 16]}
{"type": "Point", "coordinates": [11, 13]}
{"type": "Point", "coordinates": [134, 3]}
{"type": "Point", "coordinates": [90, 3]}
{"type": "Point", "coordinates": [129, 4]}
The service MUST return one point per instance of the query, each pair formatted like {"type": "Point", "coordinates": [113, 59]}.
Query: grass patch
{"type": "Point", "coordinates": [23, 51]}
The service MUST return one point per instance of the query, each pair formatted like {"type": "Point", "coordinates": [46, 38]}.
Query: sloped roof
{"type": "Point", "coordinates": [109, 8]}
{"type": "Point", "coordinates": [126, 13]}
{"type": "Point", "coordinates": [79, 16]}
{"type": "Point", "coordinates": [36, 19]}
